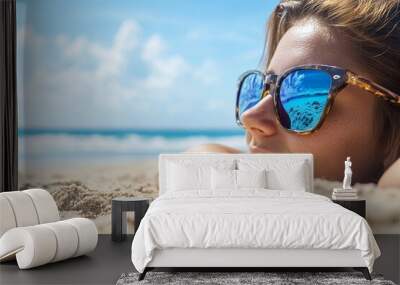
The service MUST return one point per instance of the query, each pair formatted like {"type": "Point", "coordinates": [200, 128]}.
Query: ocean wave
{"type": "Point", "coordinates": [55, 145]}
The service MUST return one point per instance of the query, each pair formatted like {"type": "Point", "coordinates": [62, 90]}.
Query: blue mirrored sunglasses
{"type": "Point", "coordinates": [302, 95]}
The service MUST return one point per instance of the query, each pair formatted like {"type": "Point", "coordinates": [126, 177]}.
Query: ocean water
{"type": "Point", "coordinates": [305, 111]}
{"type": "Point", "coordinates": [84, 144]}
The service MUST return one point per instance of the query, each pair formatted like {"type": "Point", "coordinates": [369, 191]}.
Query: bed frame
{"type": "Point", "coordinates": [248, 259]}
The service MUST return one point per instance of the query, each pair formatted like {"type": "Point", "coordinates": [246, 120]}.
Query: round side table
{"type": "Point", "coordinates": [119, 207]}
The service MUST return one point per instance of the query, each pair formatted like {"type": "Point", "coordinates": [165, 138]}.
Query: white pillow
{"type": "Point", "coordinates": [193, 174]}
{"type": "Point", "coordinates": [251, 178]}
{"type": "Point", "coordinates": [223, 179]}
{"type": "Point", "coordinates": [281, 174]}
{"type": "Point", "coordinates": [187, 177]}
{"type": "Point", "coordinates": [227, 179]}
{"type": "Point", "coordinates": [293, 178]}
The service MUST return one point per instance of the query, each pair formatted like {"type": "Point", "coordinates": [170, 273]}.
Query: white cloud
{"type": "Point", "coordinates": [207, 72]}
{"type": "Point", "coordinates": [111, 60]}
{"type": "Point", "coordinates": [164, 69]}
{"type": "Point", "coordinates": [153, 47]}
{"type": "Point", "coordinates": [88, 83]}
{"type": "Point", "coordinates": [72, 48]}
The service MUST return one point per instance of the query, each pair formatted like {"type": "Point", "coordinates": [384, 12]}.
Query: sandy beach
{"type": "Point", "coordinates": [86, 190]}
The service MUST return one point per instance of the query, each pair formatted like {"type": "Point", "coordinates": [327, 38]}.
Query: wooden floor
{"type": "Point", "coordinates": [111, 259]}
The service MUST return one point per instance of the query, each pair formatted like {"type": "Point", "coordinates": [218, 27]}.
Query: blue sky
{"type": "Point", "coordinates": [135, 64]}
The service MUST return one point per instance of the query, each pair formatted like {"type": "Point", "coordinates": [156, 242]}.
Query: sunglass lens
{"type": "Point", "coordinates": [250, 91]}
{"type": "Point", "coordinates": [302, 99]}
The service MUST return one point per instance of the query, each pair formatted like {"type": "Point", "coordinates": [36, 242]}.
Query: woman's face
{"type": "Point", "coordinates": [348, 128]}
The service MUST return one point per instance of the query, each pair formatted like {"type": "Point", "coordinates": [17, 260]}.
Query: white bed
{"type": "Point", "coordinates": [194, 223]}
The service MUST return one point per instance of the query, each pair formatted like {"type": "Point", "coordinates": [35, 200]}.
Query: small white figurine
{"type": "Point", "coordinates": [347, 174]}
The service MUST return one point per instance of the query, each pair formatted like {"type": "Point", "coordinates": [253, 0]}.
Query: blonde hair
{"type": "Point", "coordinates": [373, 28]}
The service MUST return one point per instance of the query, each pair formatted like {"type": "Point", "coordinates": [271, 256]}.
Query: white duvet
{"type": "Point", "coordinates": [250, 219]}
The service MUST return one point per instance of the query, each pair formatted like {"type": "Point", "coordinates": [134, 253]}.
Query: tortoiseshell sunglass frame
{"type": "Point", "coordinates": [340, 79]}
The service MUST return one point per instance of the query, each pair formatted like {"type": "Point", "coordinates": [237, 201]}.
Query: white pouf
{"type": "Point", "coordinates": [23, 208]}
{"type": "Point", "coordinates": [45, 205]}
{"type": "Point", "coordinates": [67, 237]}
{"type": "Point", "coordinates": [7, 220]}
{"type": "Point", "coordinates": [31, 232]}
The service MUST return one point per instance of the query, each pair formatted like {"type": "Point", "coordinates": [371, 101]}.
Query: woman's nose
{"type": "Point", "coordinates": [260, 119]}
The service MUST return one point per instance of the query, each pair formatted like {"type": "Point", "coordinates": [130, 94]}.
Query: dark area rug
{"type": "Point", "coordinates": [228, 278]}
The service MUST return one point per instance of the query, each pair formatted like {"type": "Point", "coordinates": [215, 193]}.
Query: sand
{"type": "Point", "coordinates": [86, 190]}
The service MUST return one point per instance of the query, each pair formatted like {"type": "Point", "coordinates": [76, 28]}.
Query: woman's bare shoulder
{"type": "Point", "coordinates": [391, 177]}
{"type": "Point", "coordinates": [211, 147]}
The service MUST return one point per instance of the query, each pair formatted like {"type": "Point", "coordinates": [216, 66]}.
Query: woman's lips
{"type": "Point", "coordinates": [258, 149]}
{"type": "Point", "coordinates": [263, 145]}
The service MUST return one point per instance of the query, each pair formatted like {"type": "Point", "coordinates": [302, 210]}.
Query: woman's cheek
{"type": "Point", "coordinates": [391, 178]}
{"type": "Point", "coordinates": [339, 137]}
{"type": "Point", "coordinates": [327, 154]}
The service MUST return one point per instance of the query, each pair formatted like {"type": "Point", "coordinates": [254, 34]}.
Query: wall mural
{"type": "Point", "coordinates": [104, 87]}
